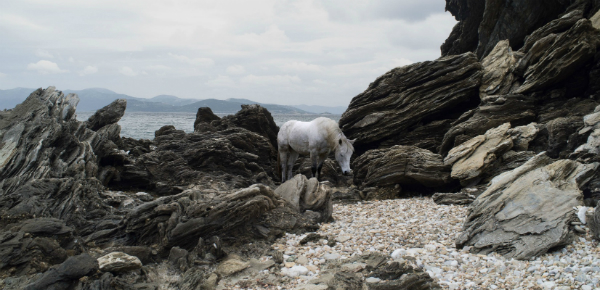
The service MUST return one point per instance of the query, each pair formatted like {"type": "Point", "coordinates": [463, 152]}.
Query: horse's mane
{"type": "Point", "coordinates": [333, 132]}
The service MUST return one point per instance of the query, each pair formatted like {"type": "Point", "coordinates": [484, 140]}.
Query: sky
{"type": "Point", "coordinates": [315, 52]}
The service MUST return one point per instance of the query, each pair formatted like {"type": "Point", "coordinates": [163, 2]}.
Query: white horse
{"type": "Point", "coordinates": [317, 138]}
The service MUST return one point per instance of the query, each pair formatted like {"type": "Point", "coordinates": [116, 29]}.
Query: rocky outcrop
{"type": "Point", "coordinates": [65, 275]}
{"type": "Point", "coordinates": [453, 198]}
{"type": "Point", "coordinates": [254, 118]}
{"type": "Point", "coordinates": [412, 96]}
{"type": "Point", "coordinates": [464, 36]}
{"type": "Point", "coordinates": [516, 204]}
{"type": "Point", "coordinates": [401, 165]}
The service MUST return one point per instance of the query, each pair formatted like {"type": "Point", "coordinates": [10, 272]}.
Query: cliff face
{"type": "Point", "coordinates": [482, 24]}
{"type": "Point", "coordinates": [517, 83]}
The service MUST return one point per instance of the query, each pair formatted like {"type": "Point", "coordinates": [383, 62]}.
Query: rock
{"type": "Point", "coordinates": [311, 237]}
{"type": "Point", "coordinates": [453, 198]}
{"type": "Point", "coordinates": [492, 112]}
{"type": "Point", "coordinates": [594, 223]}
{"type": "Point", "coordinates": [204, 117]}
{"type": "Point", "coordinates": [470, 159]}
{"type": "Point", "coordinates": [62, 276]}
{"type": "Point", "coordinates": [307, 194]}
{"type": "Point", "coordinates": [118, 262]}
{"type": "Point", "coordinates": [408, 97]}
{"type": "Point", "coordinates": [110, 114]}
{"type": "Point", "coordinates": [403, 165]}
{"type": "Point", "coordinates": [562, 57]}
{"type": "Point", "coordinates": [498, 78]}
{"type": "Point", "coordinates": [178, 257]}
{"type": "Point", "coordinates": [230, 266]}
{"type": "Point", "coordinates": [482, 25]}
{"type": "Point", "coordinates": [524, 229]}
{"type": "Point", "coordinates": [464, 36]}
{"type": "Point", "coordinates": [253, 118]}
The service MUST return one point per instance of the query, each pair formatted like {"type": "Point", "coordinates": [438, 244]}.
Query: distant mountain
{"type": "Point", "coordinates": [171, 100]}
{"type": "Point", "coordinates": [95, 98]}
{"type": "Point", "coordinates": [10, 98]}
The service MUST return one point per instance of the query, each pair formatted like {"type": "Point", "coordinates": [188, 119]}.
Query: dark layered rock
{"type": "Point", "coordinates": [560, 56]}
{"type": "Point", "coordinates": [492, 112]}
{"type": "Point", "coordinates": [400, 166]}
{"type": "Point", "coordinates": [254, 118]}
{"type": "Point", "coordinates": [453, 198]}
{"type": "Point", "coordinates": [464, 36]}
{"type": "Point", "coordinates": [180, 220]}
{"type": "Point", "coordinates": [65, 275]}
{"type": "Point", "coordinates": [203, 118]}
{"type": "Point", "coordinates": [110, 114]}
{"type": "Point", "coordinates": [516, 203]}
{"type": "Point", "coordinates": [482, 24]}
{"type": "Point", "coordinates": [412, 96]}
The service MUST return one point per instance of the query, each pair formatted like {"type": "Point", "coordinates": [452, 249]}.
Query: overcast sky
{"type": "Point", "coordinates": [317, 52]}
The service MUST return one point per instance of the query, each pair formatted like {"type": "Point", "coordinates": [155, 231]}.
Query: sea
{"type": "Point", "coordinates": [142, 125]}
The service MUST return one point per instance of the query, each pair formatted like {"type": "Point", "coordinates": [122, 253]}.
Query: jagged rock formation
{"type": "Point", "coordinates": [54, 202]}
{"type": "Point", "coordinates": [594, 223]}
{"type": "Point", "coordinates": [516, 204]}
{"type": "Point", "coordinates": [412, 96]}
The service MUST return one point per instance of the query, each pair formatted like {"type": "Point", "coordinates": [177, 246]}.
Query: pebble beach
{"type": "Point", "coordinates": [422, 233]}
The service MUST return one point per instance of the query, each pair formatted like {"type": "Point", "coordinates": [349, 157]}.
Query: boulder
{"type": "Point", "coordinates": [109, 114]}
{"type": "Point", "coordinates": [412, 96]}
{"type": "Point", "coordinates": [307, 194]}
{"type": "Point", "coordinates": [119, 262]}
{"type": "Point", "coordinates": [401, 165]}
{"type": "Point", "coordinates": [512, 218]}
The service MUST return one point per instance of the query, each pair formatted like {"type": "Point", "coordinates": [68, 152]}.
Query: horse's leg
{"type": "Point", "coordinates": [291, 160]}
{"type": "Point", "coordinates": [322, 158]}
{"type": "Point", "coordinates": [314, 164]}
{"type": "Point", "coordinates": [283, 159]}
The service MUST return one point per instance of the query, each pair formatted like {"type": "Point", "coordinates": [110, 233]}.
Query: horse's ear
{"type": "Point", "coordinates": [340, 141]}
{"type": "Point", "coordinates": [352, 141]}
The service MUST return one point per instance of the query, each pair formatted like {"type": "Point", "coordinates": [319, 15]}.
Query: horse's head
{"type": "Point", "coordinates": [343, 152]}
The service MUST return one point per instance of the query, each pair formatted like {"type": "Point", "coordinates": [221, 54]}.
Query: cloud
{"type": "Point", "coordinates": [301, 66]}
{"type": "Point", "coordinates": [270, 80]}
{"type": "Point", "coordinates": [193, 61]}
{"type": "Point", "coordinates": [221, 81]}
{"type": "Point", "coordinates": [45, 67]}
{"type": "Point", "coordinates": [127, 71]}
{"type": "Point", "coordinates": [2, 75]}
{"type": "Point", "coordinates": [236, 69]}
{"type": "Point", "coordinates": [369, 10]}
{"type": "Point", "coordinates": [88, 70]}
{"type": "Point", "coordinates": [43, 53]}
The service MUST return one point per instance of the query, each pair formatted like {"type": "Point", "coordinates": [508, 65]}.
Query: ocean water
{"type": "Point", "coordinates": [142, 125]}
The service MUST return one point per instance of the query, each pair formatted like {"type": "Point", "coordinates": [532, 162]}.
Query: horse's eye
{"type": "Point", "coordinates": [340, 141]}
